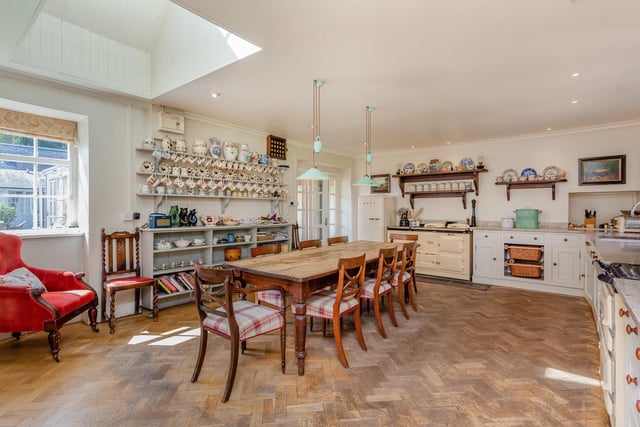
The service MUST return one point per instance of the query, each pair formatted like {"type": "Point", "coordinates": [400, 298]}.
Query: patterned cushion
{"type": "Point", "coordinates": [405, 277]}
{"type": "Point", "coordinates": [270, 297]}
{"type": "Point", "coordinates": [253, 320]}
{"type": "Point", "coordinates": [22, 276]}
{"type": "Point", "coordinates": [369, 284]}
{"type": "Point", "coordinates": [321, 305]}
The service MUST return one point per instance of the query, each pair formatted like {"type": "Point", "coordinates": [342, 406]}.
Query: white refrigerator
{"type": "Point", "coordinates": [375, 214]}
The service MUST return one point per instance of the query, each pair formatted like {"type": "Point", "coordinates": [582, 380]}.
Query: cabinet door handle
{"type": "Point", "coordinates": [535, 238]}
{"type": "Point", "coordinates": [495, 259]}
{"type": "Point", "coordinates": [638, 353]}
{"type": "Point", "coordinates": [486, 237]}
{"type": "Point", "coordinates": [623, 313]}
{"type": "Point", "coordinates": [630, 330]}
{"type": "Point", "coordinates": [632, 379]}
{"type": "Point", "coordinates": [565, 239]}
{"type": "Point", "coordinates": [555, 264]}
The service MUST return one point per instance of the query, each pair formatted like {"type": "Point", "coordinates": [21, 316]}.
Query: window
{"type": "Point", "coordinates": [35, 182]}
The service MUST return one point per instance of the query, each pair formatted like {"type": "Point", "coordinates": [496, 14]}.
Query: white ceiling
{"type": "Point", "coordinates": [437, 71]}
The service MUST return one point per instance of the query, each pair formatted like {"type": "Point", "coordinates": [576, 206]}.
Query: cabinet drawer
{"type": "Point", "coordinates": [451, 262]}
{"type": "Point", "coordinates": [523, 238]}
{"type": "Point", "coordinates": [485, 236]}
{"type": "Point", "coordinates": [567, 240]}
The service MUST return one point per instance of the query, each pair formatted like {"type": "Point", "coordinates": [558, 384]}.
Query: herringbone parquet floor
{"type": "Point", "coordinates": [500, 357]}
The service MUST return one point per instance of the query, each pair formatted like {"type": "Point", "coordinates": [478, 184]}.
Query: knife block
{"type": "Point", "coordinates": [590, 222]}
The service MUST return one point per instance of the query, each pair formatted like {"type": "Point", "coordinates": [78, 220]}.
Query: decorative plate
{"type": "Point", "coordinates": [409, 168]}
{"type": "Point", "coordinates": [434, 165]}
{"type": "Point", "coordinates": [164, 167]}
{"type": "Point", "coordinates": [147, 166]}
{"type": "Point", "coordinates": [509, 175]}
{"type": "Point", "coordinates": [446, 166]}
{"type": "Point", "coordinates": [423, 168]}
{"type": "Point", "coordinates": [467, 163]}
{"type": "Point", "coordinates": [528, 172]}
{"type": "Point", "coordinates": [551, 172]}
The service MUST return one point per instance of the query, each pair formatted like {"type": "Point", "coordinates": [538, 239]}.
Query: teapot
{"type": "Point", "coordinates": [230, 150]}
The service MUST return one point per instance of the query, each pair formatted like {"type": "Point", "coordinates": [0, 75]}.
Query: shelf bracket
{"type": "Point", "coordinates": [224, 202]}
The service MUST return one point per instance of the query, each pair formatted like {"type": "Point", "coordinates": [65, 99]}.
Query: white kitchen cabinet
{"type": "Point", "coordinates": [627, 406]}
{"type": "Point", "coordinates": [566, 266]}
{"type": "Point", "coordinates": [487, 254]}
{"type": "Point", "coordinates": [161, 262]}
{"type": "Point", "coordinates": [560, 266]}
{"type": "Point", "coordinates": [587, 275]}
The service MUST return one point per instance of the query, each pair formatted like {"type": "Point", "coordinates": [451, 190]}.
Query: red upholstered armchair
{"type": "Point", "coordinates": [33, 299]}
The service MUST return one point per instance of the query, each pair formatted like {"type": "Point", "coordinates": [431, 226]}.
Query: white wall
{"type": "Point", "coordinates": [107, 137]}
{"type": "Point", "coordinates": [560, 149]}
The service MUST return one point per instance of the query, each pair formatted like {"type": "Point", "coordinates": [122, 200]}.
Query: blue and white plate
{"type": "Point", "coordinates": [528, 172]}
{"type": "Point", "coordinates": [409, 168]}
{"type": "Point", "coordinates": [467, 163]}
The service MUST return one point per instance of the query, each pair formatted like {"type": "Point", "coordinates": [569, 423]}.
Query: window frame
{"type": "Point", "coordinates": [72, 186]}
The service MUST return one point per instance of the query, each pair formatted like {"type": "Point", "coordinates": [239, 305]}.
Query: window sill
{"type": "Point", "coordinates": [39, 234]}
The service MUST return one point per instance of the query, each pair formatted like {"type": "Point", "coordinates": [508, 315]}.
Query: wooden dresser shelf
{"type": "Point", "coordinates": [532, 184]}
{"type": "Point", "coordinates": [440, 176]}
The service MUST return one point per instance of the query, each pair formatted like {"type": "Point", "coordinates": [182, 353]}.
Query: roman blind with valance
{"type": "Point", "coordinates": [31, 124]}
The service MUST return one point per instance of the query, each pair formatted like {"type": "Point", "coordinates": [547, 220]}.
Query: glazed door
{"type": "Point", "coordinates": [318, 209]}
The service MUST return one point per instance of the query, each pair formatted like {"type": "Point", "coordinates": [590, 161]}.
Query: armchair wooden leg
{"type": "Point", "coordinates": [356, 320]}
{"type": "Point", "coordinates": [93, 318]}
{"type": "Point", "coordinates": [231, 376]}
{"type": "Point", "coordinates": [392, 313]}
{"type": "Point", "coordinates": [155, 301]}
{"type": "Point", "coordinates": [112, 312]}
{"type": "Point", "coordinates": [376, 311]}
{"type": "Point", "coordinates": [204, 335]}
{"type": "Point", "coordinates": [54, 344]}
{"type": "Point", "coordinates": [337, 335]}
{"type": "Point", "coordinates": [401, 297]}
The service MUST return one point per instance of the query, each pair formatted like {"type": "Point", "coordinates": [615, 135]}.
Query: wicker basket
{"type": "Point", "coordinates": [526, 270]}
{"type": "Point", "coordinates": [525, 253]}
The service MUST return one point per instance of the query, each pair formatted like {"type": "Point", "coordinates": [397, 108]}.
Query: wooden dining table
{"type": "Point", "coordinates": [301, 273]}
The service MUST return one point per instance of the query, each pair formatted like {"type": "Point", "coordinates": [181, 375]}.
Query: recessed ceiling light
{"type": "Point", "coordinates": [575, 101]}
{"type": "Point", "coordinates": [448, 142]}
{"type": "Point", "coordinates": [413, 147]}
{"type": "Point", "coordinates": [549, 129]}
{"type": "Point", "coordinates": [215, 95]}
{"type": "Point", "coordinates": [574, 75]}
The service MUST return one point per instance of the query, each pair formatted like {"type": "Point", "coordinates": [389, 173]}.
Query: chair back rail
{"type": "Point", "coordinates": [309, 244]}
{"type": "Point", "coordinates": [336, 240]}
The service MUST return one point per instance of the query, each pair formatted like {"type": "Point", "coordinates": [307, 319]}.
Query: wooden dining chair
{"type": "Point", "coordinates": [337, 240]}
{"type": "Point", "coordinates": [121, 272]}
{"type": "Point", "coordinates": [310, 244]}
{"type": "Point", "coordinates": [333, 305]}
{"type": "Point", "coordinates": [270, 297]}
{"type": "Point", "coordinates": [223, 310]}
{"type": "Point", "coordinates": [375, 288]}
{"type": "Point", "coordinates": [404, 276]}
{"type": "Point", "coordinates": [403, 238]}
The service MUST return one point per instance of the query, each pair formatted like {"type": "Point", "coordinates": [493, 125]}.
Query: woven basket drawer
{"type": "Point", "coordinates": [524, 253]}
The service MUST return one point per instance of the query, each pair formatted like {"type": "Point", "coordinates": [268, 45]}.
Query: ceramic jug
{"type": "Point", "coordinates": [263, 159]}
{"type": "Point", "coordinates": [216, 148]}
{"type": "Point", "coordinates": [175, 217]}
{"type": "Point", "coordinates": [230, 150]}
{"type": "Point", "coordinates": [244, 155]}
{"type": "Point", "coordinates": [231, 238]}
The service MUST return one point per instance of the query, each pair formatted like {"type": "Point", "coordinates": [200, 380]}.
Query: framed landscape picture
{"type": "Point", "coordinates": [602, 170]}
{"type": "Point", "coordinates": [383, 183]}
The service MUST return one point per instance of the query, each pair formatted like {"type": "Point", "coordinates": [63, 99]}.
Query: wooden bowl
{"type": "Point", "coordinates": [232, 254]}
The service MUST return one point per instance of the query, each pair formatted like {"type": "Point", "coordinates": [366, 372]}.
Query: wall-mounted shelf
{"type": "Point", "coordinates": [440, 176]}
{"type": "Point", "coordinates": [532, 184]}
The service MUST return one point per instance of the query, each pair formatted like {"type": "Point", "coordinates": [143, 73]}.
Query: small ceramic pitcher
{"type": "Point", "coordinates": [244, 155]}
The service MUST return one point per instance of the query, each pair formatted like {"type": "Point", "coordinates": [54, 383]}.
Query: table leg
{"type": "Point", "coordinates": [301, 334]}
